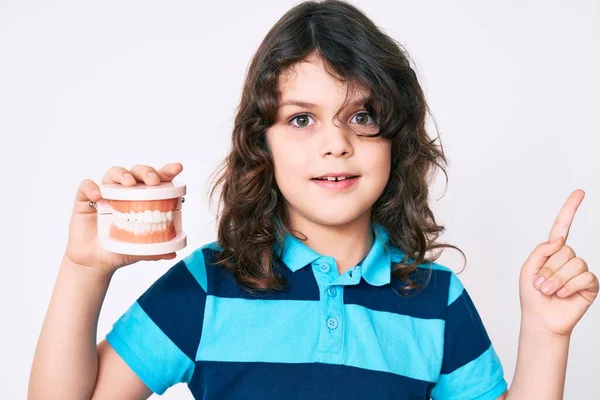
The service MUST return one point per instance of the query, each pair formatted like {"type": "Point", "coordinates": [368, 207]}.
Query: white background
{"type": "Point", "coordinates": [513, 87]}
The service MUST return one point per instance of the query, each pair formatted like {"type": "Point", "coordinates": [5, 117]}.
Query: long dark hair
{"type": "Point", "coordinates": [355, 50]}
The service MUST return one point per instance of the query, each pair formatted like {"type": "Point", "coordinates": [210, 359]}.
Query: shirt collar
{"type": "Point", "coordinates": [375, 268]}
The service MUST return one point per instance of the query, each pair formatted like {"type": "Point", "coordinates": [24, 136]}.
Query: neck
{"type": "Point", "coordinates": [348, 244]}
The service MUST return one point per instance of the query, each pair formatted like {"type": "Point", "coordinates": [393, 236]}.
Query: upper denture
{"type": "Point", "coordinates": [126, 206]}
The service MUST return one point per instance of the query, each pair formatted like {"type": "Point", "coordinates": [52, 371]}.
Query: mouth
{"type": "Point", "coordinates": [336, 182]}
{"type": "Point", "coordinates": [335, 178]}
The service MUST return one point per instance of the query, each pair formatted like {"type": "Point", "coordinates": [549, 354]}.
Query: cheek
{"type": "Point", "coordinates": [288, 160]}
{"type": "Point", "coordinates": [290, 174]}
{"type": "Point", "coordinates": [291, 168]}
{"type": "Point", "coordinates": [381, 174]}
{"type": "Point", "coordinates": [380, 157]}
{"type": "Point", "coordinates": [386, 166]}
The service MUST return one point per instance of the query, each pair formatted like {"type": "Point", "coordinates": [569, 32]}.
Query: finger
{"type": "Point", "coordinates": [585, 284]}
{"type": "Point", "coordinates": [572, 268]}
{"type": "Point", "coordinates": [553, 264]}
{"type": "Point", "coordinates": [120, 175]}
{"type": "Point", "coordinates": [145, 174]}
{"type": "Point", "coordinates": [169, 171]}
{"type": "Point", "coordinates": [157, 257]}
{"type": "Point", "coordinates": [86, 192]}
{"type": "Point", "coordinates": [563, 222]}
{"type": "Point", "coordinates": [540, 255]}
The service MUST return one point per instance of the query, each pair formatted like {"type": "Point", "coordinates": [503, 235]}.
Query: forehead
{"type": "Point", "coordinates": [308, 80]}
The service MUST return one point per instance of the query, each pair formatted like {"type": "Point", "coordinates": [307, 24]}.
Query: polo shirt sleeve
{"type": "Point", "coordinates": [159, 334]}
{"type": "Point", "coordinates": [471, 369]}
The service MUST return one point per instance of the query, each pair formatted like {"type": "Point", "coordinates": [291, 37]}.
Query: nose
{"type": "Point", "coordinates": [336, 141]}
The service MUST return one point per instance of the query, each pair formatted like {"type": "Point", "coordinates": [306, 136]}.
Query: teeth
{"type": "Point", "coordinates": [143, 221]}
{"type": "Point", "coordinates": [147, 218]}
{"type": "Point", "coordinates": [333, 178]}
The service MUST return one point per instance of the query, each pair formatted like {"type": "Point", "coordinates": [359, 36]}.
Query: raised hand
{"type": "Point", "coordinates": [83, 247]}
{"type": "Point", "coordinates": [556, 287]}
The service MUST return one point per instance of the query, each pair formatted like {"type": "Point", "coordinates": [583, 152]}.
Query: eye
{"type": "Point", "coordinates": [304, 118]}
{"type": "Point", "coordinates": [301, 117]}
{"type": "Point", "coordinates": [363, 118]}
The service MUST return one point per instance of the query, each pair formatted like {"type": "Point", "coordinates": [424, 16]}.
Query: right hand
{"type": "Point", "coordinates": [83, 247]}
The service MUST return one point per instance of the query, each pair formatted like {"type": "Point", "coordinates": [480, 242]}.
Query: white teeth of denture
{"type": "Point", "coordinates": [143, 221]}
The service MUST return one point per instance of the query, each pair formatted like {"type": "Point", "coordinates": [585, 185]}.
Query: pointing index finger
{"type": "Point", "coordinates": [562, 223]}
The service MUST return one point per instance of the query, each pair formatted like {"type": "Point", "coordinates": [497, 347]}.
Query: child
{"type": "Point", "coordinates": [318, 285]}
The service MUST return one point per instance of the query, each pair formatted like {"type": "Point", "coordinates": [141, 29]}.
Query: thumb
{"type": "Point", "coordinates": [542, 253]}
{"type": "Point", "coordinates": [168, 256]}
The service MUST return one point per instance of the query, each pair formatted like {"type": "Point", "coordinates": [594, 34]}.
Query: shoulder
{"type": "Point", "coordinates": [176, 301]}
{"type": "Point", "coordinates": [196, 263]}
{"type": "Point", "coordinates": [441, 281]}
{"type": "Point", "coordinates": [453, 284]}
{"type": "Point", "coordinates": [183, 281]}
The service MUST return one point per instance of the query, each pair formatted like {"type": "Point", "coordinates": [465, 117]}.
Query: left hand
{"type": "Point", "coordinates": [558, 264]}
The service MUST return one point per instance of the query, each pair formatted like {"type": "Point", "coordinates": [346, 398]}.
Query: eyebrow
{"type": "Point", "coordinates": [305, 104]}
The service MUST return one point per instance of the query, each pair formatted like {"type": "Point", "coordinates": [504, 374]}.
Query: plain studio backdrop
{"type": "Point", "coordinates": [513, 87]}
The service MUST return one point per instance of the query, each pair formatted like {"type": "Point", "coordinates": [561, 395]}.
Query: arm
{"type": "Point", "coordinates": [66, 359]}
{"type": "Point", "coordinates": [541, 365]}
{"type": "Point", "coordinates": [115, 379]}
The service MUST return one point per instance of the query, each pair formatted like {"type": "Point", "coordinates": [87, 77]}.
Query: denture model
{"type": "Point", "coordinates": [141, 219]}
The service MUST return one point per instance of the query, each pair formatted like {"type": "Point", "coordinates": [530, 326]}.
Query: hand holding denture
{"type": "Point", "coordinates": [132, 222]}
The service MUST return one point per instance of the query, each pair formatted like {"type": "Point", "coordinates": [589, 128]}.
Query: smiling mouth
{"type": "Point", "coordinates": [336, 184]}
{"type": "Point", "coordinates": [335, 178]}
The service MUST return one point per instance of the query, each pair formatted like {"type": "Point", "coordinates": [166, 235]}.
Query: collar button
{"type": "Point", "coordinates": [324, 268]}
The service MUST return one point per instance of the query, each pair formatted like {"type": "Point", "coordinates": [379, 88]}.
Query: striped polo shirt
{"type": "Point", "coordinates": [329, 336]}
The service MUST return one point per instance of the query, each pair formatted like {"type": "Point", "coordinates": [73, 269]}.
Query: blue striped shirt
{"type": "Point", "coordinates": [329, 336]}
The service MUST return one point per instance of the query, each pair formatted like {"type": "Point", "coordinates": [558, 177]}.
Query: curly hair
{"type": "Point", "coordinates": [353, 49]}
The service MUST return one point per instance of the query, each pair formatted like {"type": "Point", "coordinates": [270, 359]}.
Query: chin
{"type": "Point", "coordinates": [333, 217]}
